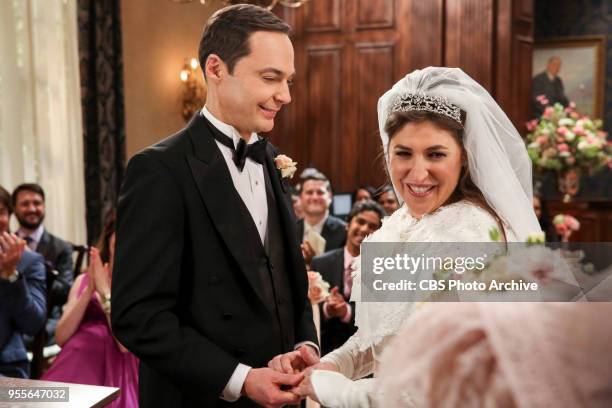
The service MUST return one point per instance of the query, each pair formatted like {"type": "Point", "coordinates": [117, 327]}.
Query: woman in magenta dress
{"type": "Point", "coordinates": [90, 353]}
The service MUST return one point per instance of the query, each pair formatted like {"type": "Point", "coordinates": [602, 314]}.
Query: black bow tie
{"type": "Point", "coordinates": [256, 151]}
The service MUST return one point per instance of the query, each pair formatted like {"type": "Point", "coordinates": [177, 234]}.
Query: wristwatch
{"type": "Point", "coordinates": [12, 278]}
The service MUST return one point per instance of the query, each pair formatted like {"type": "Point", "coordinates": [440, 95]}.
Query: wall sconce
{"type": "Point", "coordinates": [194, 93]}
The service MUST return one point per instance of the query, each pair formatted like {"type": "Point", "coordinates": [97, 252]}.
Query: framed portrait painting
{"type": "Point", "coordinates": [579, 65]}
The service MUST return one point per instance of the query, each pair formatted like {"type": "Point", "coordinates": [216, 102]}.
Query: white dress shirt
{"type": "Point", "coordinates": [250, 185]}
{"type": "Point", "coordinates": [318, 227]}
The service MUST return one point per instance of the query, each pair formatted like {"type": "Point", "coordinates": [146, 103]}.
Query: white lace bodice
{"type": "Point", "coordinates": [377, 322]}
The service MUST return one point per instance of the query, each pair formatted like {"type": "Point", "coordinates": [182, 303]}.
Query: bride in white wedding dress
{"type": "Point", "coordinates": [460, 168]}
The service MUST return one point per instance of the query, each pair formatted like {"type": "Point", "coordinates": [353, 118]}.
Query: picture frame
{"type": "Point", "coordinates": [582, 69]}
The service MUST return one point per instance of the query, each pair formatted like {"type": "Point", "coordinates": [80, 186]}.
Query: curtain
{"type": "Point", "coordinates": [40, 108]}
{"type": "Point", "coordinates": [101, 68]}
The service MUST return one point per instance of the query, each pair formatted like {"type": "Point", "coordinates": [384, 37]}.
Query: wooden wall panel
{"type": "Point", "coordinates": [469, 38]}
{"type": "Point", "coordinates": [323, 122]}
{"type": "Point", "coordinates": [377, 59]}
{"type": "Point", "coordinates": [420, 35]}
{"type": "Point", "coordinates": [323, 16]}
{"type": "Point", "coordinates": [375, 14]}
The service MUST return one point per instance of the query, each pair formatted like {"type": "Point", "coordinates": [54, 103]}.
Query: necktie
{"type": "Point", "coordinates": [29, 241]}
{"type": "Point", "coordinates": [256, 151]}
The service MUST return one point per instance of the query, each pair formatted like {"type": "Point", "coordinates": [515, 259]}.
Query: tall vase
{"type": "Point", "coordinates": [569, 183]}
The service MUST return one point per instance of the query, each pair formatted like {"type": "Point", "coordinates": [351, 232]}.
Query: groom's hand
{"type": "Point", "coordinates": [263, 386]}
{"type": "Point", "coordinates": [295, 361]}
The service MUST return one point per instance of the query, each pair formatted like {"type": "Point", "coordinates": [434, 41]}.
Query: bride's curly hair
{"type": "Point", "coordinates": [466, 189]}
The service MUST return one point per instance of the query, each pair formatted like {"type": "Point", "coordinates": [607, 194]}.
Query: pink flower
{"type": "Point", "coordinates": [532, 124]}
{"type": "Point", "coordinates": [562, 130]}
{"type": "Point", "coordinates": [572, 105]}
{"type": "Point", "coordinates": [542, 140]}
{"type": "Point", "coordinates": [563, 147]}
{"type": "Point", "coordinates": [572, 223]}
{"type": "Point", "coordinates": [579, 130]}
{"type": "Point", "coordinates": [561, 229]}
{"type": "Point", "coordinates": [318, 289]}
{"type": "Point", "coordinates": [542, 99]}
{"type": "Point", "coordinates": [548, 112]}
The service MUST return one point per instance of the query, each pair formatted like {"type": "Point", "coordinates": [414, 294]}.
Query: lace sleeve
{"type": "Point", "coordinates": [336, 391]}
{"type": "Point", "coordinates": [350, 360]}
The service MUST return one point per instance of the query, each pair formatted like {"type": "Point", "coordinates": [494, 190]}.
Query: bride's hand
{"type": "Point", "coordinates": [325, 366]}
{"type": "Point", "coordinates": [305, 388]}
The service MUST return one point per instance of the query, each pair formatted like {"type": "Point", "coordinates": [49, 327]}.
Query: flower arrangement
{"type": "Point", "coordinates": [318, 289]}
{"type": "Point", "coordinates": [565, 225]}
{"type": "Point", "coordinates": [563, 139]}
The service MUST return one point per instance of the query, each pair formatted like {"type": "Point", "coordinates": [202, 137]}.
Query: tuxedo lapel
{"type": "Point", "coordinates": [289, 224]}
{"type": "Point", "coordinates": [221, 199]}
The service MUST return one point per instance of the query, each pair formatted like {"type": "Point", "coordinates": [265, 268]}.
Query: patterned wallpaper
{"type": "Point", "coordinates": [575, 18]}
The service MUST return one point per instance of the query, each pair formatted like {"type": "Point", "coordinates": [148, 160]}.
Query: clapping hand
{"type": "Point", "coordinates": [336, 305]}
{"type": "Point", "coordinates": [11, 249]}
{"type": "Point", "coordinates": [308, 252]}
{"type": "Point", "coordinates": [99, 272]}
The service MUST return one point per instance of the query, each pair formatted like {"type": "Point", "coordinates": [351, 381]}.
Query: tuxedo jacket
{"type": "Point", "coordinates": [334, 232]}
{"type": "Point", "coordinates": [187, 299]}
{"type": "Point", "coordinates": [334, 332]}
{"type": "Point", "coordinates": [58, 255]}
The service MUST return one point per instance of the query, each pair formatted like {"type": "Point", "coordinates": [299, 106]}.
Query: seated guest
{"type": "Point", "coordinates": [22, 295]}
{"type": "Point", "coordinates": [338, 318]}
{"type": "Point", "coordinates": [387, 199]}
{"type": "Point", "coordinates": [29, 204]}
{"type": "Point", "coordinates": [364, 192]}
{"type": "Point", "coordinates": [316, 197]}
{"type": "Point", "coordinates": [90, 353]}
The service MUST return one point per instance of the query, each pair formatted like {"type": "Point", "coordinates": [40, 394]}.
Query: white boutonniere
{"type": "Point", "coordinates": [286, 165]}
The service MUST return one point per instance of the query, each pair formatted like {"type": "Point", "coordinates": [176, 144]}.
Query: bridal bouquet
{"type": "Point", "coordinates": [562, 139]}
{"type": "Point", "coordinates": [318, 289]}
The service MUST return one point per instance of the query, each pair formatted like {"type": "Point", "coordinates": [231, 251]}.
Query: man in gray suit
{"type": "Point", "coordinates": [28, 200]}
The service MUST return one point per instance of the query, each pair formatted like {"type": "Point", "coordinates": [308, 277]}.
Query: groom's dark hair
{"type": "Point", "coordinates": [227, 32]}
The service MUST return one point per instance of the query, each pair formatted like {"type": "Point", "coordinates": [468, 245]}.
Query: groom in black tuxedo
{"type": "Point", "coordinates": [209, 283]}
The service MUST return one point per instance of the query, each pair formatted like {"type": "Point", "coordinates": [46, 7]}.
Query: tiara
{"type": "Point", "coordinates": [420, 102]}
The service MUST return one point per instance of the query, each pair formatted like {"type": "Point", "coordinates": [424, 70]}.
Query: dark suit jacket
{"type": "Point", "coordinates": [334, 232]}
{"type": "Point", "coordinates": [333, 331]}
{"type": "Point", "coordinates": [187, 298]}
{"type": "Point", "coordinates": [22, 311]}
{"type": "Point", "coordinates": [58, 253]}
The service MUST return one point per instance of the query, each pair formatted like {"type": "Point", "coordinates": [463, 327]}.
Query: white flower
{"type": "Point", "coordinates": [318, 289]}
{"type": "Point", "coordinates": [286, 165]}
{"type": "Point", "coordinates": [536, 238]}
{"type": "Point", "coordinates": [538, 263]}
